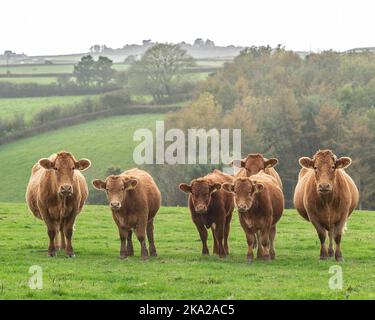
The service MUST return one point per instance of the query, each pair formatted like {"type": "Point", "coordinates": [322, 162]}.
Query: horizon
{"type": "Point", "coordinates": [39, 28]}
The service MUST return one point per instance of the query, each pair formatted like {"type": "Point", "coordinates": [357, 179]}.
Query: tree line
{"type": "Point", "coordinates": [288, 107]}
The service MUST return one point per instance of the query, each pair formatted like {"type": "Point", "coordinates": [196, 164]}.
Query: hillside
{"type": "Point", "coordinates": [106, 142]}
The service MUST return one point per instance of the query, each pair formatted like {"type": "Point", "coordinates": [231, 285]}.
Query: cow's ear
{"type": "Point", "coordinates": [343, 162]}
{"type": "Point", "coordinates": [306, 162]}
{"type": "Point", "coordinates": [215, 187]}
{"type": "Point", "coordinates": [99, 184]}
{"type": "Point", "coordinates": [238, 163]}
{"type": "Point", "coordinates": [270, 163]}
{"type": "Point", "coordinates": [82, 164]}
{"type": "Point", "coordinates": [184, 187]}
{"type": "Point", "coordinates": [46, 164]}
{"type": "Point", "coordinates": [228, 187]}
{"type": "Point", "coordinates": [258, 187]}
{"type": "Point", "coordinates": [130, 184]}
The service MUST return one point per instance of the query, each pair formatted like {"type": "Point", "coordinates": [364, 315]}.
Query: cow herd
{"type": "Point", "coordinates": [325, 195]}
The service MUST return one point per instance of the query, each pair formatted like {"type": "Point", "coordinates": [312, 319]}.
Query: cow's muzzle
{"type": "Point", "coordinates": [201, 209]}
{"type": "Point", "coordinates": [115, 205]}
{"type": "Point", "coordinates": [324, 188]}
{"type": "Point", "coordinates": [66, 190]}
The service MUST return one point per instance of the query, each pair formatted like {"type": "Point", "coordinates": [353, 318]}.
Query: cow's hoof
{"type": "Point", "coordinates": [153, 254]}
{"type": "Point", "coordinates": [331, 253]}
{"type": "Point", "coordinates": [52, 253]}
{"type": "Point", "coordinates": [339, 259]}
{"type": "Point", "coordinates": [266, 258]}
{"type": "Point", "coordinates": [71, 255]}
{"type": "Point", "coordinates": [122, 257]}
{"type": "Point", "coordinates": [144, 258]}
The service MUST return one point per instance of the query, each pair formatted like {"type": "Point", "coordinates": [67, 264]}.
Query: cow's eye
{"type": "Point", "coordinates": [315, 168]}
{"type": "Point", "coordinates": [73, 168]}
{"type": "Point", "coordinates": [55, 169]}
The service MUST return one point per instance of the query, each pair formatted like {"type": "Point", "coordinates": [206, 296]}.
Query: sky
{"type": "Point", "coordinates": [41, 27]}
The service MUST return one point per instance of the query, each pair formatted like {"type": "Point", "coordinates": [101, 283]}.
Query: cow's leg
{"type": "Point", "coordinates": [129, 244]}
{"type": "Point", "coordinates": [150, 237]}
{"type": "Point", "coordinates": [250, 238]}
{"type": "Point", "coordinates": [322, 234]}
{"type": "Point", "coordinates": [60, 237]}
{"type": "Point", "coordinates": [140, 232]}
{"type": "Point", "coordinates": [52, 231]}
{"type": "Point", "coordinates": [272, 239]}
{"type": "Point", "coordinates": [203, 235]}
{"type": "Point", "coordinates": [265, 242]}
{"type": "Point", "coordinates": [226, 232]}
{"type": "Point", "coordinates": [219, 233]}
{"type": "Point", "coordinates": [124, 235]}
{"type": "Point", "coordinates": [215, 245]}
{"type": "Point", "coordinates": [331, 252]}
{"type": "Point", "coordinates": [68, 231]}
{"type": "Point", "coordinates": [258, 245]}
{"type": "Point", "coordinates": [337, 234]}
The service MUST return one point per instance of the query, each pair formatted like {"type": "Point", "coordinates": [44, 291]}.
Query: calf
{"type": "Point", "coordinates": [56, 194]}
{"type": "Point", "coordinates": [326, 196]}
{"type": "Point", "coordinates": [134, 200]}
{"type": "Point", "coordinates": [211, 207]}
{"type": "Point", "coordinates": [255, 163]}
{"type": "Point", "coordinates": [260, 204]}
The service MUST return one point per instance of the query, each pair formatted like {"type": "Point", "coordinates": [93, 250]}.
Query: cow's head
{"type": "Point", "coordinates": [116, 188]}
{"type": "Point", "coordinates": [62, 167]}
{"type": "Point", "coordinates": [244, 190]}
{"type": "Point", "coordinates": [254, 163]}
{"type": "Point", "coordinates": [201, 192]}
{"type": "Point", "coordinates": [325, 163]}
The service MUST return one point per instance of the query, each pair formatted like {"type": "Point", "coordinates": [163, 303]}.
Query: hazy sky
{"type": "Point", "coordinates": [55, 26]}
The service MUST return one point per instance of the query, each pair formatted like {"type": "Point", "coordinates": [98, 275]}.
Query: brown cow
{"type": "Point", "coordinates": [56, 194]}
{"type": "Point", "coordinates": [326, 195]}
{"type": "Point", "coordinates": [134, 200]}
{"type": "Point", "coordinates": [255, 163]}
{"type": "Point", "coordinates": [260, 204]}
{"type": "Point", "coordinates": [211, 207]}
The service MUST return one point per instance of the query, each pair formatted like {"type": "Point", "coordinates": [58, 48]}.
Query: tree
{"type": "Point", "coordinates": [104, 72]}
{"type": "Point", "coordinates": [159, 69]}
{"type": "Point", "coordinates": [84, 71]}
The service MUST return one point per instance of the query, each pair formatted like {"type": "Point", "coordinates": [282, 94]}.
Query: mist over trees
{"type": "Point", "coordinates": [290, 107]}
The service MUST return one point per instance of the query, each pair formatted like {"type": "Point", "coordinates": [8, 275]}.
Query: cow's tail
{"type": "Point", "coordinates": [58, 242]}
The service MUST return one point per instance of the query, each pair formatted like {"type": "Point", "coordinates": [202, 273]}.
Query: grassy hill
{"type": "Point", "coordinates": [179, 271]}
{"type": "Point", "coordinates": [106, 142]}
{"type": "Point", "coordinates": [30, 106]}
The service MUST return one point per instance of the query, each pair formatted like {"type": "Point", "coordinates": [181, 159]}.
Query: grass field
{"type": "Point", "coordinates": [179, 271]}
{"type": "Point", "coordinates": [30, 106]}
{"type": "Point", "coordinates": [38, 80]}
{"type": "Point", "coordinates": [105, 142]}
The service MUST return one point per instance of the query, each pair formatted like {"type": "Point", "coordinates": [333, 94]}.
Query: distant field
{"type": "Point", "coordinates": [180, 271]}
{"type": "Point", "coordinates": [38, 80]}
{"type": "Point", "coordinates": [68, 68]}
{"type": "Point", "coordinates": [105, 142]}
{"type": "Point", "coordinates": [30, 106]}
